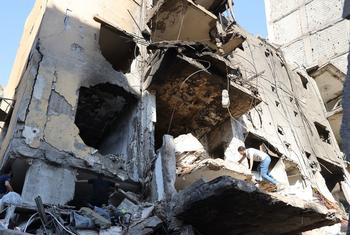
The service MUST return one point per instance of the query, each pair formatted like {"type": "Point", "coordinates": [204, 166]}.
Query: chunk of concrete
{"type": "Point", "coordinates": [231, 205]}
{"type": "Point", "coordinates": [187, 143]}
{"type": "Point", "coordinates": [147, 226]}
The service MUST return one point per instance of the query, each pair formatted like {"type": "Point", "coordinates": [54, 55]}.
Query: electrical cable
{"type": "Point", "coordinates": [182, 21]}
{"type": "Point", "coordinates": [274, 75]}
{"type": "Point", "coordinates": [273, 71]}
{"type": "Point", "coordinates": [29, 221]}
{"type": "Point", "coordinates": [59, 223]}
{"type": "Point", "coordinates": [183, 83]}
{"type": "Point", "coordinates": [53, 216]}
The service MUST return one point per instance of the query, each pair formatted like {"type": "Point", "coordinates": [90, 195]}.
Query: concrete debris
{"type": "Point", "coordinates": [80, 221]}
{"type": "Point", "coordinates": [99, 220]}
{"type": "Point", "coordinates": [212, 202]}
{"type": "Point", "coordinates": [126, 118]}
{"type": "Point", "coordinates": [112, 231]}
{"type": "Point", "coordinates": [145, 227]}
{"type": "Point", "coordinates": [187, 143]}
{"type": "Point", "coordinates": [127, 207]}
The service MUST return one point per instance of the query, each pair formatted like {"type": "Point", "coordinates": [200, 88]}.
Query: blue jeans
{"type": "Point", "coordinates": [264, 170]}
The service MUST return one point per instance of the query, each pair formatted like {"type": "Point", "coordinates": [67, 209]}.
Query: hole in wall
{"type": "Point", "coordinates": [308, 155]}
{"type": "Point", "coordinates": [304, 81]}
{"type": "Point", "coordinates": [331, 173]}
{"type": "Point", "coordinates": [273, 88]}
{"type": "Point", "coordinates": [219, 151]}
{"type": "Point", "coordinates": [86, 190]}
{"type": "Point", "coordinates": [339, 196]}
{"type": "Point", "coordinates": [323, 132]}
{"type": "Point", "coordinates": [293, 173]}
{"type": "Point", "coordinates": [254, 141]}
{"type": "Point", "coordinates": [117, 47]}
{"type": "Point", "coordinates": [99, 108]}
{"type": "Point", "coordinates": [287, 144]}
{"type": "Point", "coordinates": [18, 168]}
{"type": "Point", "coordinates": [280, 130]}
{"type": "Point", "coordinates": [93, 189]}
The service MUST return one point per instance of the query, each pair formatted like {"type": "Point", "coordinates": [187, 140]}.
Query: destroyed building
{"type": "Point", "coordinates": [314, 36]}
{"type": "Point", "coordinates": [156, 96]}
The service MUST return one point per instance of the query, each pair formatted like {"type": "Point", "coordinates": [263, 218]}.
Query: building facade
{"type": "Point", "coordinates": [314, 36]}
{"type": "Point", "coordinates": [140, 94]}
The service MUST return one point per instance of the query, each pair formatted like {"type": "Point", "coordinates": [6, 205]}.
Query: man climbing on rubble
{"type": "Point", "coordinates": [5, 183]}
{"type": "Point", "coordinates": [258, 156]}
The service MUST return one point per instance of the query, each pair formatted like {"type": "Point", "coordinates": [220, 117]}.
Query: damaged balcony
{"type": "Point", "coordinates": [173, 21]}
{"type": "Point", "coordinates": [188, 88]}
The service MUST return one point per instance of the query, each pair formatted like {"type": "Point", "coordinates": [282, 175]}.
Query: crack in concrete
{"type": "Point", "coordinates": [41, 55]}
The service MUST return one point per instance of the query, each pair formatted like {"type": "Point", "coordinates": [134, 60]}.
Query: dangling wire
{"type": "Point", "coordinates": [183, 83]}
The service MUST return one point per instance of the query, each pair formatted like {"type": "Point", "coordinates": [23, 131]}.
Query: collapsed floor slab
{"type": "Point", "coordinates": [207, 170]}
{"type": "Point", "coordinates": [189, 93]}
{"type": "Point", "coordinates": [229, 206]}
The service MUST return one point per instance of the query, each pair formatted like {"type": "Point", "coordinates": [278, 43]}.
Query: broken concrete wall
{"type": "Point", "coordinates": [86, 67]}
{"type": "Point", "coordinates": [289, 112]}
{"type": "Point", "coordinates": [22, 67]}
{"type": "Point", "coordinates": [83, 110]}
{"type": "Point", "coordinates": [313, 34]}
{"type": "Point", "coordinates": [65, 57]}
{"type": "Point", "coordinates": [286, 119]}
{"type": "Point", "coordinates": [118, 142]}
{"type": "Point", "coordinates": [123, 138]}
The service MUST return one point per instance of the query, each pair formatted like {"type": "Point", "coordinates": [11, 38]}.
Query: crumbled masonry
{"type": "Point", "coordinates": [124, 117]}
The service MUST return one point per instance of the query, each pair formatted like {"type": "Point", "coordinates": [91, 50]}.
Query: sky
{"type": "Point", "coordinates": [249, 13]}
{"type": "Point", "coordinates": [12, 18]}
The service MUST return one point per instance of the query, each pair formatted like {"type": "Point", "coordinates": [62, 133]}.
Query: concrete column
{"type": "Point", "coordinates": [168, 158]}
{"type": "Point", "coordinates": [55, 185]}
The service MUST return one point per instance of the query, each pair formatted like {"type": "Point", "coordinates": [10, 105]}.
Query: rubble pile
{"type": "Point", "coordinates": [126, 218]}
{"type": "Point", "coordinates": [129, 117]}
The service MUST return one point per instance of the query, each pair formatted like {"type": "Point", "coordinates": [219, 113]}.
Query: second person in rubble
{"type": "Point", "coordinates": [258, 156]}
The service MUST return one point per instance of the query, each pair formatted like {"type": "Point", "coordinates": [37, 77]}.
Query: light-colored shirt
{"type": "Point", "coordinates": [257, 155]}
